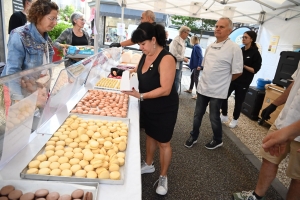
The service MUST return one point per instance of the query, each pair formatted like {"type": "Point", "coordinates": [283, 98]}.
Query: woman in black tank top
{"type": "Point", "coordinates": [159, 99]}
{"type": "Point", "coordinates": [75, 36]}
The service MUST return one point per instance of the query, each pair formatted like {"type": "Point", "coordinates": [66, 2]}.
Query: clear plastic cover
{"type": "Point", "coordinates": [45, 95]}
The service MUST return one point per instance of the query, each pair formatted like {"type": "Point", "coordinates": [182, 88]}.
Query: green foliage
{"type": "Point", "coordinates": [197, 25]}
{"type": "Point", "coordinates": [58, 29]}
{"type": "Point", "coordinates": [66, 13]}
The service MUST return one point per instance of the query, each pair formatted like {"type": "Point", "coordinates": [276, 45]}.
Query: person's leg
{"type": "Point", "coordinates": [165, 155]}
{"type": "Point", "coordinates": [215, 120]}
{"type": "Point", "coordinates": [192, 80]}
{"type": "Point", "coordinates": [268, 168]}
{"type": "Point", "coordinates": [196, 77]}
{"type": "Point", "coordinates": [151, 145]}
{"type": "Point", "coordinates": [267, 174]}
{"type": "Point", "coordinates": [240, 94]}
{"type": "Point", "coordinates": [224, 106]}
{"type": "Point", "coordinates": [201, 104]}
{"type": "Point", "coordinates": [294, 192]}
{"type": "Point", "coordinates": [178, 76]}
{"type": "Point", "coordinates": [293, 171]}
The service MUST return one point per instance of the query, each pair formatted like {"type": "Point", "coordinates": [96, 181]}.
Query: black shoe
{"type": "Point", "coordinates": [213, 144]}
{"type": "Point", "coordinates": [190, 142]}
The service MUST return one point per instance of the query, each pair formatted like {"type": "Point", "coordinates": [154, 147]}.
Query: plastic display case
{"type": "Point", "coordinates": [38, 100]}
{"type": "Point", "coordinates": [19, 145]}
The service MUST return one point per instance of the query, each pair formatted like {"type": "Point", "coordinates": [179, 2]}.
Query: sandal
{"type": "Point", "coordinates": [188, 91]}
{"type": "Point", "coordinates": [194, 97]}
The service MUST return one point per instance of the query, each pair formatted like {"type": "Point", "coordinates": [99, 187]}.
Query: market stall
{"type": "Point", "coordinates": [106, 139]}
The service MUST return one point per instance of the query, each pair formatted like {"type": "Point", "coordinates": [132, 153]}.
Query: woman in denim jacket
{"type": "Point", "coordinates": [75, 36]}
{"type": "Point", "coordinates": [29, 46]}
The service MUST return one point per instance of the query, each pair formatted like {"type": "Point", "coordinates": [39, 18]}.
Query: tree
{"type": "Point", "coordinates": [66, 13]}
{"type": "Point", "coordinates": [197, 25]}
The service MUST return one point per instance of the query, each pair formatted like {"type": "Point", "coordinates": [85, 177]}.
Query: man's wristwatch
{"type": "Point", "coordinates": [141, 97]}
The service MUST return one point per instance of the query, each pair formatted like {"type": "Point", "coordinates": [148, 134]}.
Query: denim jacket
{"type": "Point", "coordinates": [26, 49]}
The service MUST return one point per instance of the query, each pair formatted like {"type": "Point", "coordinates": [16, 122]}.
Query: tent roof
{"type": "Point", "coordinates": [244, 11]}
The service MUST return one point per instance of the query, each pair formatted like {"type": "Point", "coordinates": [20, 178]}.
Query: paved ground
{"type": "Point", "coordinates": [198, 173]}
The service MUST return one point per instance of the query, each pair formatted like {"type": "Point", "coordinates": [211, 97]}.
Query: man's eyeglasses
{"type": "Point", "coordinates": [218, 48]}
{"type": "Point", "coordinates": [53, 19]}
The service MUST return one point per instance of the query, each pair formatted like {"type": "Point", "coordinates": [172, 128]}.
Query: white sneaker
{"type": "Point", "coordinates": [224, 119]}
{"type": "Point", "coordinates": [233, 123]}
{"type": "Point", "coordinates": [162, 187]}
{"type": "Point", "coordinates": [145, 169]}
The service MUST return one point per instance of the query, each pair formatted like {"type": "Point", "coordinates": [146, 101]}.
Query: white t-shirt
{"type": "Point", "coordinates": [291, 110]}
{"type": "Point", "coordinates": [221, 60]}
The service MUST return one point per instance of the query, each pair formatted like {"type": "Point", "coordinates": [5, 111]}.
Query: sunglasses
{"type": "Point", "coordinates": [245, 37]}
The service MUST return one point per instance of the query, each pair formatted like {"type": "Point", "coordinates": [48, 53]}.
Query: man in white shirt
{"type": "Point", "coordinates": [287, 119]}
{"type": "Point", "coordinates": [177, 48]}
{"type": "Point", "coordinates": [222, 63]}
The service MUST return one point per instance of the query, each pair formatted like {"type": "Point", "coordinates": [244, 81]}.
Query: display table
{"type": "Point", "coordinates": [131, 189]}
{"type": "Point", "coordinates": [70, 85]}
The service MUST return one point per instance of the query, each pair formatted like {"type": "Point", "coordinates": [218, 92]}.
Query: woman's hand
{"type": "Point", "coordinates": [199, 68]}
{"type": "Point", "coordinates": [133, 93]}
{"type": "Point", "coordinates": [64, 51]}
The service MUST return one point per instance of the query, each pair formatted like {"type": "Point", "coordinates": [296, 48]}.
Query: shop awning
{"type": "Point", "coordinates": [115, 11]}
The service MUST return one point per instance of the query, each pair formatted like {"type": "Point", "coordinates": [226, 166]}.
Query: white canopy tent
{"type": "Point", "coordinates": [244, 11]}
{"type": "Point", "coordinates": [277, 18]}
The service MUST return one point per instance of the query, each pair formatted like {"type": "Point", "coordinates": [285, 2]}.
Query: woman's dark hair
{"type": "Point", "coordinates": [39, 9]}
{"type": "Point", "coordinates": [24, 2]}
{"type": "Point", "coordinates": [146, 30]}
{"type": "Point", "coordinates": [253, 36]}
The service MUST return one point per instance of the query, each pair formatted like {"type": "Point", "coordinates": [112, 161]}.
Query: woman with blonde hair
{"type": "Point", "coordinates": [195, 64]}
{"type": "Point", "coordinates": [177, 48]}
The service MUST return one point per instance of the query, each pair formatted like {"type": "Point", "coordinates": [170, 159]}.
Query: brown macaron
{"type": "Point", "coordinates": [65, 197]}
{"type": "Point", "coordinates": [77, 194]}
{"type": "Point", "coordinates": [15, 194]}
{"type": "Point", "coordinates": [53, 196]}
{"type": "Point", "coordinates": [27, 196]}
{"type": "Point", "coordinates": [41, 193]}
{"type": "Point", "coordinates": [6, 190]}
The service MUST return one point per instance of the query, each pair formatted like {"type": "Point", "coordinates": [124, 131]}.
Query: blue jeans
{"type": "Point", "coordinates": [214, 115]}
{"type": "Point", "coordinates": [178, 76]}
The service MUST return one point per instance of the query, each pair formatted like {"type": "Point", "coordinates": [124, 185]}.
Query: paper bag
{"type": "Point", "coordinates": [129, 81]}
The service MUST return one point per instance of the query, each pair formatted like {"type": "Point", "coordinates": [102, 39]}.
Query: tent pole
{"type": "Point", "coordinates": [96, 25]}
{"type": "Point", "coordinates": [286, 19]}
{"type": "Point", "coordinates": [275, 16]}
{"type": "Point", "coordinates": [122, 21]}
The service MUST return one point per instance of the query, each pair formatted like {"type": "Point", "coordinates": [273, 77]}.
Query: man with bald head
{"type": "Point", "coordinates": [222, 63]}
{"type": "Point", "coordinates": [147, 16]}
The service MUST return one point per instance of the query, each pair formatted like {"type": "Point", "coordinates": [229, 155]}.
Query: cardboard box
{"type": "Point", "coordinates": [129, 81]}
{"type": "Point", "coordinates": [272, 93]}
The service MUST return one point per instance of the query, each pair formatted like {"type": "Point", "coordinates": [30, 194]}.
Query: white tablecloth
{"type": "Point", "coordinates": [131, 189]}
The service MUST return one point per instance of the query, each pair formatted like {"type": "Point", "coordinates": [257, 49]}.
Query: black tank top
{"type": "Point", "coordinates": [150, 80]}
{"type": "Point", "coordinates": [79, 41]}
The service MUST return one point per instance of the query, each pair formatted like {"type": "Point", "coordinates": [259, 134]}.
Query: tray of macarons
{"type": "Point", "coordinates": [103, 103]}
{"type": "Point", "coordinates": [31, 190]}
{"type": "Point", "coordinates": [85, 148]}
